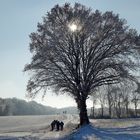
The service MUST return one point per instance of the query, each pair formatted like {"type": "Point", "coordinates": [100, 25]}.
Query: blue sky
{"type": "Point", "coordinates": [18, 18]}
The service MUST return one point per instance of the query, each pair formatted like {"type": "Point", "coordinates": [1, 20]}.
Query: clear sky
{"type": "Point", "coordinates": [18, 18]}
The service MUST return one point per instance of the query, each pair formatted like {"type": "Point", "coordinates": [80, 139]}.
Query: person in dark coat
{"type": "Point", "coordinates": [61, 125]}
{"type": "Point", "coordinates": [57, 125]}
{"type": "Point", "coordinates": [53, 125]}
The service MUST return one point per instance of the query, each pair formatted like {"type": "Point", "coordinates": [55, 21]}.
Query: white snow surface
{"type": "Point", "coordinates": [38, 128]}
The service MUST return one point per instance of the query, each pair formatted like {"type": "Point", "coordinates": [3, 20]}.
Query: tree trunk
{"type": "Point", "coordinates": [109, 104]}
{"type": "Point", "coordinates": [110, 112]}
{"type": "Point", "coordinates": [127, 112]}
{"type": "Point", "coordinates": [93, 109]}
{"type": "Point", "coordinates": [93, 112]}
{"type": "Point", "coordinates": [102, 110]}
{"type": "Point", "coordinates": [135, 109]}
{"type": "Point", "coordinates": [119, 110]}
{"type": "Point", "coordinates": [83, 112]}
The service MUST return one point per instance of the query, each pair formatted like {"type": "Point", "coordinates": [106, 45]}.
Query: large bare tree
{"type": "Point", "coordinates": [75, 50]}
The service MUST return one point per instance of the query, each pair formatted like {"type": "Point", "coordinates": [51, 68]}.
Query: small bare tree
{"type": "Point", "coordinates": [94, 101]}
{"type": "Point", "coordinates": [136, 101]}
{"type": "Point", "coordinates": [127, 89]}
{"type": "Point", "coordinates": [101, 94]}
{"type": "Point", "coordinates": [117, 100]}
{"type": "Point", "coordinates": [76, 50]}
{"type": "Point", "coordinates": [110, 99]}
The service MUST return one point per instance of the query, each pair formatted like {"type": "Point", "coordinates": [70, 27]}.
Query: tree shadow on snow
{"type": "Point", "coordinates": [89, 132]}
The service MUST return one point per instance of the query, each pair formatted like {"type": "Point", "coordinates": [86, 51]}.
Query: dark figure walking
{"type": "Point", "coordinates": [61, 125]}
{"type": "Point", "coordinates": [57, 125]}
{"type": "Point", "coordinates": [53, 125]}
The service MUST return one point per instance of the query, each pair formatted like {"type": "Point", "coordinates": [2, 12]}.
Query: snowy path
{"type": "Point", "coordinates": [51, 135]}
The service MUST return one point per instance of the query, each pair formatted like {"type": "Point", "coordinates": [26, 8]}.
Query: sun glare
{"type": "Point", "coordinates": [73, 27]}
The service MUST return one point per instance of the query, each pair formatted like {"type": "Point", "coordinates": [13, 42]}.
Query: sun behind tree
{"type": "Point", "coordinates": [73, 27]}
{"type": "Point", "coordinates": [76, 50]}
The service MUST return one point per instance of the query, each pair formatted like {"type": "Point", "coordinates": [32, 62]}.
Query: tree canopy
{"type": "Point", "coordinates": [75, 50]}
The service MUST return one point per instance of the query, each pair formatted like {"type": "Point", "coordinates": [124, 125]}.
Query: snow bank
{"type": "Point", "coordinates": [88, 132]}
{"type": "Point", "coordinates": [84, 133]}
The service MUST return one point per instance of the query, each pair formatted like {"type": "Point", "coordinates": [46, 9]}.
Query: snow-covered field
{"type": "Point", "coordinates": [34, 127]}
{"type": "Point", "coordinates": [38, 128]}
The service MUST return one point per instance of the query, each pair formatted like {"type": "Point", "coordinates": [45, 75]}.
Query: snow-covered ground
{"type": "Point", "coordinates": [38, 128]}
{"type": "Point", "coordinates": [34, 127]}
{"type": "Point", "coordinates": [115, 129]}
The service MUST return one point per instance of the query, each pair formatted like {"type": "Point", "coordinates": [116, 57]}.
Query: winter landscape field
{"type": "Point", "coordinates": [64, 62]}
{"type": "Point", "coordinates": [38, 128]}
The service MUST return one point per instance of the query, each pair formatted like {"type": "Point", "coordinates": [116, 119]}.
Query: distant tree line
{"type": "Point", "coordinates": [14, 106]}
{"type": "Point", "coordinates": [117, 101]}
{"type": "Point", "coordinates": [4, 108]}
{"type": "Point", "coordinates": [20, 107]}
